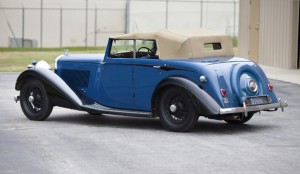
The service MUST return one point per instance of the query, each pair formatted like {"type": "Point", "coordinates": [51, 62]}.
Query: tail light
{"type": "Point", "coordinates": [270, 87]}
{"type": "Point", "coordinates": [223, 92]}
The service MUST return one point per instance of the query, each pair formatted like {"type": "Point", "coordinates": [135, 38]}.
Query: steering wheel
{"type": "Point", "coordinates": [149, 51]}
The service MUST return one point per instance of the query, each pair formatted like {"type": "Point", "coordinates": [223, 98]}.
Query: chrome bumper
{"type": "Point", "coordinates": [245, 109]}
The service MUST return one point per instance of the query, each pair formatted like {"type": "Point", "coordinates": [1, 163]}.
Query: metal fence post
{"type": "Point", "coordinates": [41, 36]}
{"type": "Point", "coordinates": [86, 22]}
{"type": "Point", "coordinates": [201, 13]}
{"type": "Point", "coordinates": [234, 17]}
{"type": "Point", "coordinates": [23, 25]}
{"type": "Point", "coordinates": [95, 39]}
{"type": "Point", "coordinates": [167, 11]}
{"type": "Point", "coordinates": [61, 27]}
{"type": "Point", "coordinates": [127, 16]}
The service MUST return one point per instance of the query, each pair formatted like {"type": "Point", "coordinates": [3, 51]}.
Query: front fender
{"type": "Point", "coordinates": [207, 105]}
{"type": "Point", "coordinates": [51, 79]}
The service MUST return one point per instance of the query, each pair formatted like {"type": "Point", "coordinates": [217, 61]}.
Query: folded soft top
{"type": "Point", "coordinates": [185, 43]}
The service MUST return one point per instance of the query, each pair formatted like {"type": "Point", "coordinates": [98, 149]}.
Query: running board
{"type": "Point", "coordinates": [106, 110]}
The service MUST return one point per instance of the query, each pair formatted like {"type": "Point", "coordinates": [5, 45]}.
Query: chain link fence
{"type": "Point", "coordinates": [91, 26]}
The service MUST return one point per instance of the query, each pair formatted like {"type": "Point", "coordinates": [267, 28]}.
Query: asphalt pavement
{"type": "Point", "coordinates": [74, 142]}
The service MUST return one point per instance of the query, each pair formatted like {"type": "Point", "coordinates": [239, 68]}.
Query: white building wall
{"type": "Point", "coordinates": [276, 22]}
{"type": "Point", "coordinates": [278, 32]}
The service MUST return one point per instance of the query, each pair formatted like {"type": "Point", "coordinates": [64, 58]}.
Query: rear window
{"type": "Point", "coordinates": [212, 46]}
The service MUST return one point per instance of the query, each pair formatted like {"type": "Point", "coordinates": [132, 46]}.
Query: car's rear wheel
{"type": "Point", "coordinates": [176, 110]}
{"type": "Point", "coordinates": [243, 119]}
{"type": "Point", "coordinates": [34, 100]}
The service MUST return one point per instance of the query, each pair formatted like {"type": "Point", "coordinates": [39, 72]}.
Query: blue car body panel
{"type": "Point", "coordinates": [129, 83]}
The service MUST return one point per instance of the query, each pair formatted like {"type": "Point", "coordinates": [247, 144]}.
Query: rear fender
{"type": "Point", "coordinates": [53, 85]}
{"type": "Point", "coordinates": [205, 103]}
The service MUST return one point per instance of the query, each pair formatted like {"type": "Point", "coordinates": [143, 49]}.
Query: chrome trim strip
{"type": "Point", "coordinates": [56, 60]}
{"type": "Point", "coordinates": [245, 109]}
{"type": "Point", "coordinates": [108, 110]}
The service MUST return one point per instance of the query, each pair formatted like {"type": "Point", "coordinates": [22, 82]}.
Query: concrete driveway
{"type": "Point", "coordinates": [74, 142]}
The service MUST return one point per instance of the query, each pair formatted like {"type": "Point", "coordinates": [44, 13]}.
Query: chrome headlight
{"type": "Point", "coordinates": [43, 64]}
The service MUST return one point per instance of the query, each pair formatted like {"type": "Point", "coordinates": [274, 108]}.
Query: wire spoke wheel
{"type": "Point", "coordinates": [176, 110]}
{"type": "Point", "coordinates": [34, 100]}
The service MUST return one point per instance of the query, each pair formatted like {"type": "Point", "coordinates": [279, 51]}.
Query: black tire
{"type": "Point", "coordinates": [176, 110]}
{"type": "Point", "coordinates": [243, 119]}
{"type": "Point", "coordinates": [94, 114]}
{"type": "Point", "coordinates": [34, 100]}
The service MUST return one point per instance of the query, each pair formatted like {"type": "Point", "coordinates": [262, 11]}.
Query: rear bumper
{"type": "Point", "coordinates": [245, 109]}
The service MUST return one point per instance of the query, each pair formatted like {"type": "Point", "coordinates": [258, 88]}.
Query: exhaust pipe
{"type": "Point", "coordinates": [16, 98]}
{"type": "Point", "coordinates": [233, 117]}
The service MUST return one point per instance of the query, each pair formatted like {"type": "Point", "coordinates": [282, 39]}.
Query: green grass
{"type": "Point", "coordinates": [17, 59]}
{"type": "Point", "coordinates": [235, 41]}
{"type": "Point", "coordinates": [93, 49]}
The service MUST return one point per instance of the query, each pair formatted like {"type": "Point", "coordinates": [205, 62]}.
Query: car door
{"type": "Point", "coordinates": [146, 74]}
{"type": "Point", "coordinates": [146, 78]}
{"type": "Point", "coordinates": [116, 84]}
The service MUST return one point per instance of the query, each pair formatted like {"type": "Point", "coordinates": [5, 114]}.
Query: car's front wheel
{"type": "Point", "coordinates": [242, 119]}
{"type": "Point", "coordinates": [176, 110]}
{"type": "Point", "coordinates": [34, 100]}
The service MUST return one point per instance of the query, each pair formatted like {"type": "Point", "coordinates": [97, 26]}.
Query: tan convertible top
{"type": "Point", "coordinates": [185, 43]}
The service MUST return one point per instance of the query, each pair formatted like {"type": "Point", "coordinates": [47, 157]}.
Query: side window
{"type": "Point", "coordinates": [122, 49]}
{"type": "Point", "coordinates": [146, 49]}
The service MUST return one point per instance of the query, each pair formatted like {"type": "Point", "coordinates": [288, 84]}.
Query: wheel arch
{"type": "Point", "coordinates": [205, 103]}
{"type": "Point", "coordinates": [61, 93]}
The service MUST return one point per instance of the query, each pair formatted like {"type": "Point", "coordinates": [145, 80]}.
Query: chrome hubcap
{"type": "Point", "coordinates": [173, 108]}
{"type": "Point", "coordinates": [252, 85]}
{"type": "Point", "coordinates": [31, 100]}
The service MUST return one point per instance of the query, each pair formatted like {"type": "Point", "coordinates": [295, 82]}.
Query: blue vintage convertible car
{"type": "Point", "coordinates": [176, 75]}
